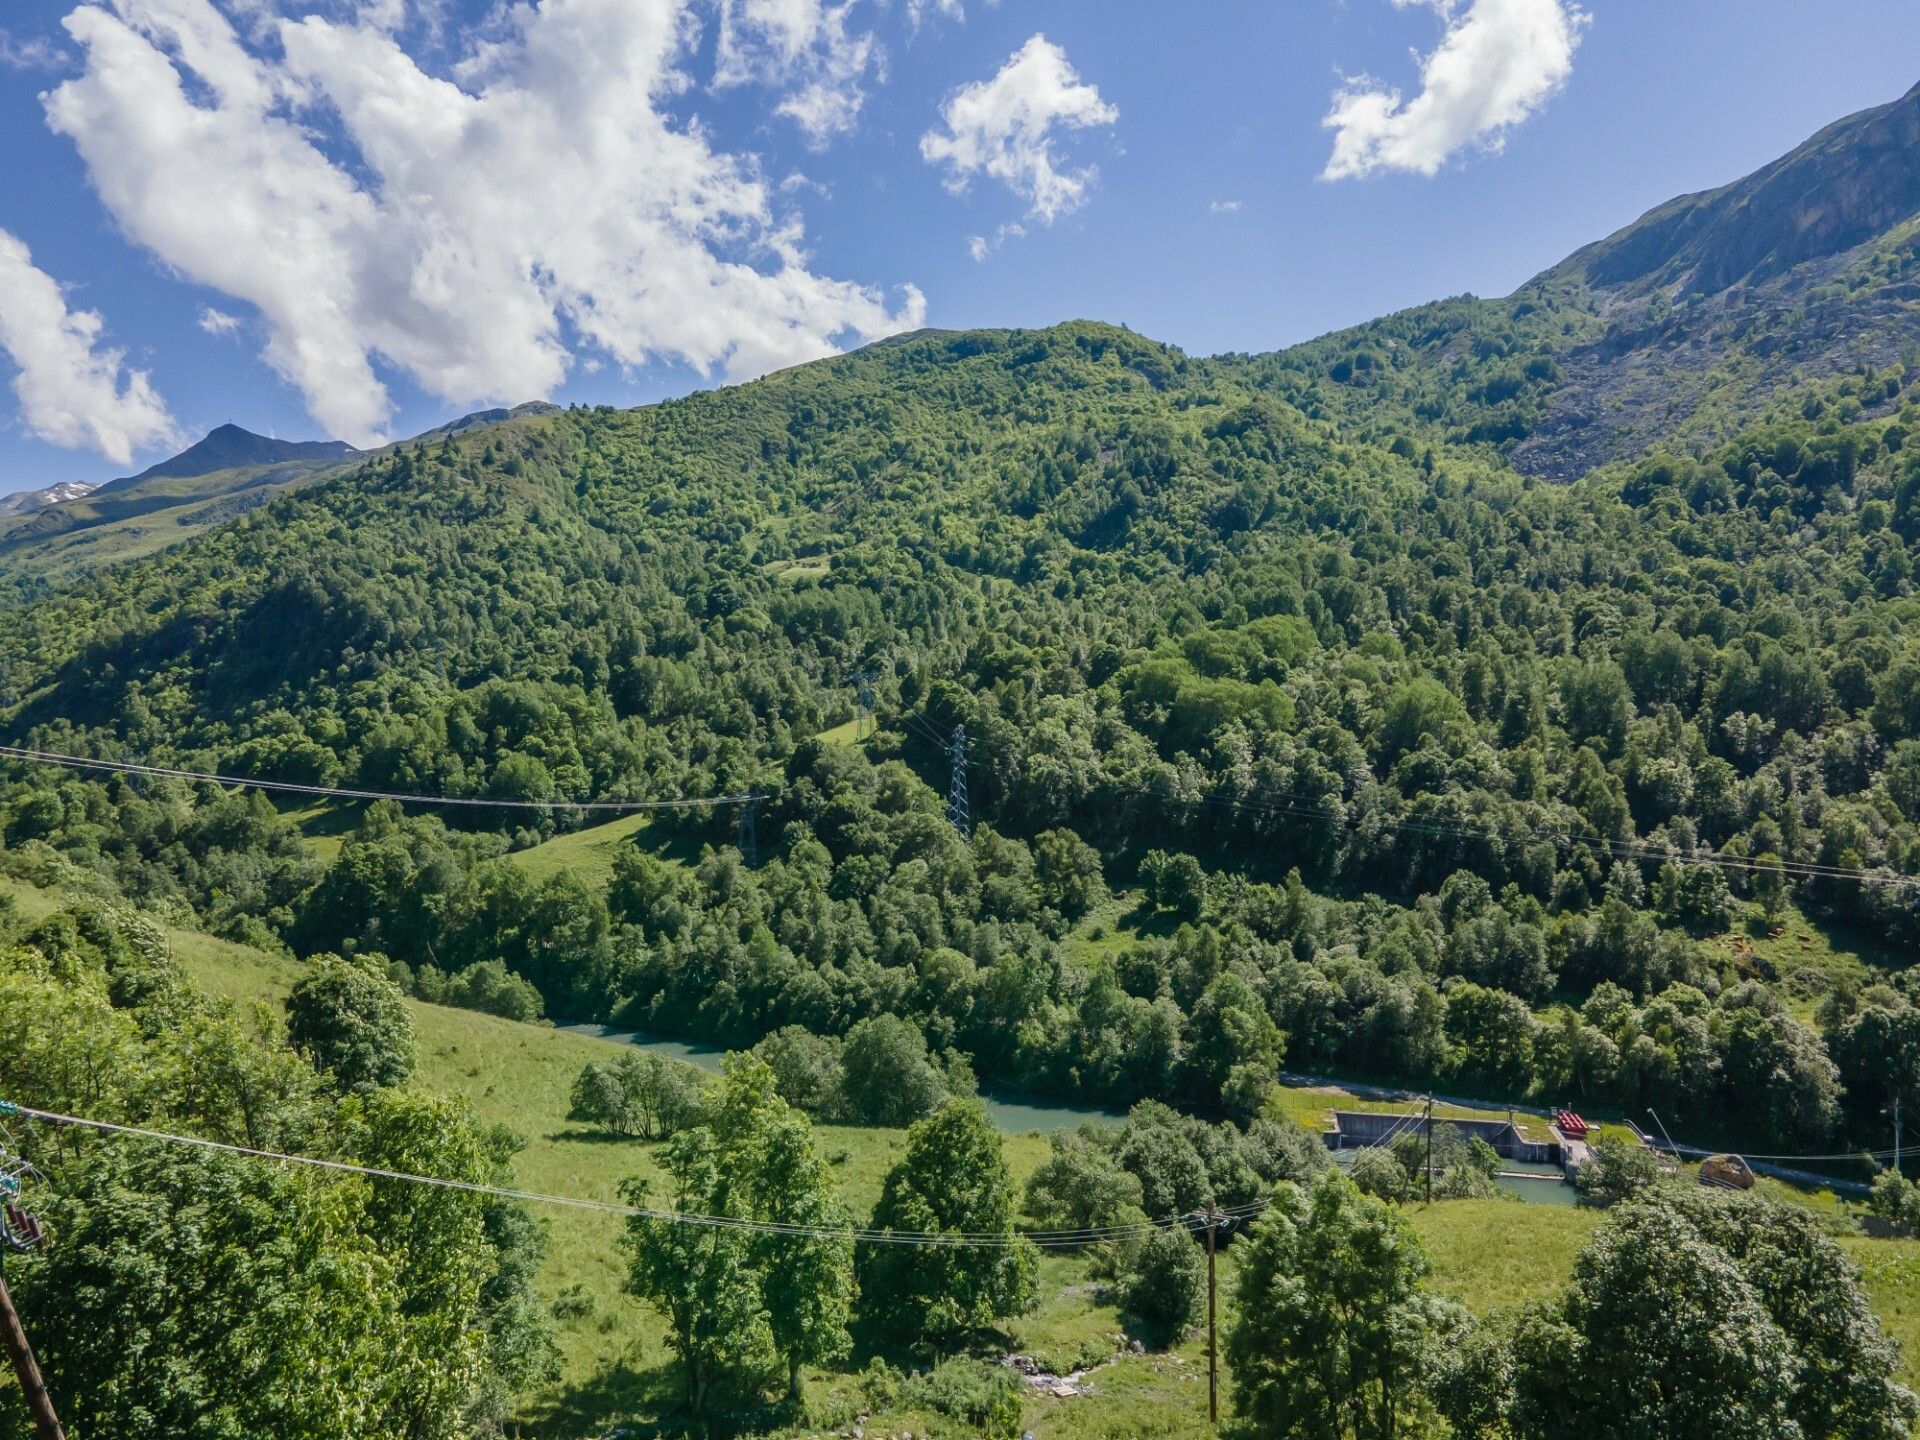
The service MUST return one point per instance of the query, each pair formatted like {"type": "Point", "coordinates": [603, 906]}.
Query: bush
{"type": "Point", "coordinates": [1162, 1291]}
{"type": "Point", "coordinates": [986, 1397]}
{"type": "Point", "coordinates": [645, 1095]}
{"type": "Point", "coordinates": [352, 1023]}
{"type": "Point", "coordinates": [492, 990]}
{"type": "Point", "coordinates": [806, 1068]}
{"type": "Point", "coordinates": [886, 1075]}
{"type": "Point", "coordinates": [1617, 1171]}
{"type": "Point", "coordinates": [1379, 1174]}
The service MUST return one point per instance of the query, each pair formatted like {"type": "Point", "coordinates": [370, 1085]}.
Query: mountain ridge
{"type": "Point", "coordinates": [230, 447]}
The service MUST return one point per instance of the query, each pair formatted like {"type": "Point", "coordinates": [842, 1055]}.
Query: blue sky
{"type": "Point", "coordinates": [360, 217]}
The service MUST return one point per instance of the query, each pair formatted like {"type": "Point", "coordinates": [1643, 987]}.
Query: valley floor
{"type": "Point", "coordinates": [615, 1369]}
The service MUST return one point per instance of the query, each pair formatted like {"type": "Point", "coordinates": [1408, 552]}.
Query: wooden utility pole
{"type": "Point", "coordinates": [1213, 1343]}
{"type": "Point", "coordinates": [19, 1233]}
{"type": "Point", "coordinates": [13, 1337]}
{"type": "Point", "coordinates": [1216, 1223]}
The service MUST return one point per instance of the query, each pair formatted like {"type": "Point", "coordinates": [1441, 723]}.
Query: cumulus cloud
{"type": "Point", "coordinates": [73, 390]}
{"type": "Point", "coordinates": [1223, 207]}
{"type": "Point", "coordinates": [476, 232]}
{"type": "Point", "coordinates": [218, 322]}
{"type": "Point", "coordinates": [1005, 128]}
{"type": "Point", "coordinates": [1498, 62]}
{"type": "Point", "coordinates": [805, 44]}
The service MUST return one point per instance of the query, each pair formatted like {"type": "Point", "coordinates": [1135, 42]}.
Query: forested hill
{"type": "Point", "coordinates": [1416, 766]}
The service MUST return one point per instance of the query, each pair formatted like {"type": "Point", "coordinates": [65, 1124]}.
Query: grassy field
{"type": "Point", "coordinates": [614, 1365]}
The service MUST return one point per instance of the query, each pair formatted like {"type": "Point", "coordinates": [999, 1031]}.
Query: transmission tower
{"type": "Point", "coordinates": [957, 808]}
{"type": "Point", "coordinates": [863, 717]}
{"type": "Point", "coordinates": [745, 831]}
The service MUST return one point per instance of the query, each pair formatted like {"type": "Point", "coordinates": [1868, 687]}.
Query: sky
{"type": "Point", "coordinates": [359, 218]}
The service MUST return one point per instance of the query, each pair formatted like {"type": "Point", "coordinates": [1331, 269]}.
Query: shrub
{"type": "Point", "coordinates": [1162, 1290]}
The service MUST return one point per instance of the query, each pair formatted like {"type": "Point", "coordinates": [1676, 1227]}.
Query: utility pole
{"type": "Point", "coordinates": [1896, 1134]}
{"type": "Point", "coordinates": [957, 810]}
{"type": "Point", "coordinates": [1217, 1223]}
{"type": "Point", "coordinates": [20, 1232]}
{"type": "Point", "coordinates": [1429, 1149]}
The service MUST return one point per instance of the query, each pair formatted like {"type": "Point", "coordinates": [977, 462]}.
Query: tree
{"type": "Point", "coordinates": [1896, 1200]}
{"type": "Point", "coordinates": [1332, 1335]}
{"type": "Point", "coordinates": [352, 1022]}
{"type": "Point", "coordinates": [806, 1281]}
{"type": "Point", "coordinates": [1230, 1028]}
{"type": "Point", "coordinates": [703, 1278]}
{"type": "Point", "coordinates": [1617, 1170]}
{"type": "Point", "coordinates": [886, 1075]}
{"type": "Point", "coordinates": [1492, 1037]}
{"type": "Point", "coordinates": [1380, 1173]}
{"type": "Point", "coordinates": [490, 989]}
{"type": "Point", "coordinates": [1067, 870]}
{"type": "Point", "coordinates": [1665, 1326]}
{"type": "Point", "coordinates": [1846, 1373]}
{"type": "Point", "coordinates": [743, 1303]}
{"type": "Point", "coordinates": [805, 1066]}
{"type": "Point", "coordinates": [1079, 1186]}
{"type": "Point", "coordinates": [205, 1296]}
{"type": "Point", "coordinates": [1175, 883]}
{"type": "Point", "coordinates": [1163, 1286]}
{"type": "Point", "coordinates": [953, 1177]}
{"type": "Point", "coordinates": [637, 1094]}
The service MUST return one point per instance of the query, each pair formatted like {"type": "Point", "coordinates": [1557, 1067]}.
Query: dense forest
{"type": "Point", "coordinates": [1412, 763]}
{"type": "Point", "coordinates": [1306, 727]}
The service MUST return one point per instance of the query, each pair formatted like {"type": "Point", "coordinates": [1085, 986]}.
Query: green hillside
{"type": "Point", "coordinates": [1234, 718]}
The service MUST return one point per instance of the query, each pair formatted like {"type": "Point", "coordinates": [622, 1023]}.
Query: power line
{"type": "Point", "coordinates": [167, 772]}
{"type": "Point", "coordinates": [1044, 1239]}
{"type": "Point", "coordinates": [1260, 804]}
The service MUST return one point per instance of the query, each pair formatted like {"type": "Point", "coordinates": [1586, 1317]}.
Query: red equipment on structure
{"type": "Point", "coordinates": [1570, 1124]}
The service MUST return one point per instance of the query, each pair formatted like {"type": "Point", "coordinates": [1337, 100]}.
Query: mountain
{"type": "Point", "coordinates": [25, 502]}
{"type": "Point", "coordinates": [1696, 320]}
{"type": "Point", "coordinates": [222, 476]}
{"type": "Point", "coordinates": [1226, 713]}
{"type": "Point", "coordinates": [231, 448]}
{"type": "Point", "coordinates": [1851, 183]}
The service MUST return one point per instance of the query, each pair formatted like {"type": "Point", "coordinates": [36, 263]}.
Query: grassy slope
{"type": "Point", "coordinates": [1486, 1253]}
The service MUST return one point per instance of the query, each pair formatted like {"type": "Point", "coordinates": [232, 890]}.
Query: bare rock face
{"type": "Point", "coordinates": [1716, 303]}
{"type": "Point", "coordinates": [1854, 181]}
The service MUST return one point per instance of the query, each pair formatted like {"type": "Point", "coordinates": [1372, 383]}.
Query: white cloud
{"type": "Point", "coordinates": [803, 43]}
{"type": "Point", "coordinates": [1223, 207]}
{"type": "Point", "coordinates": [980, 247]}
{"type": "Point", "coordinates": [478, 235]}
{"type": "Point", "coordinates": [919, 11]}
{"type": "Point", "coordinates": [73, 390]}
{"type": "Point", "coordinates": [1004, 127]}
{"type": "Point", "coordinates": [34, 53]}
{"type": "Point", "coordinates": [218, 322]}
{"type": "Point", "coordinates": [1498, 62]}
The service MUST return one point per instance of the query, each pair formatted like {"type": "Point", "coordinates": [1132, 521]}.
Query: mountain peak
{"type": "Point", "coordinates": [1855, 180]}
{"type": "Point", "coordinates": [229, 447]}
